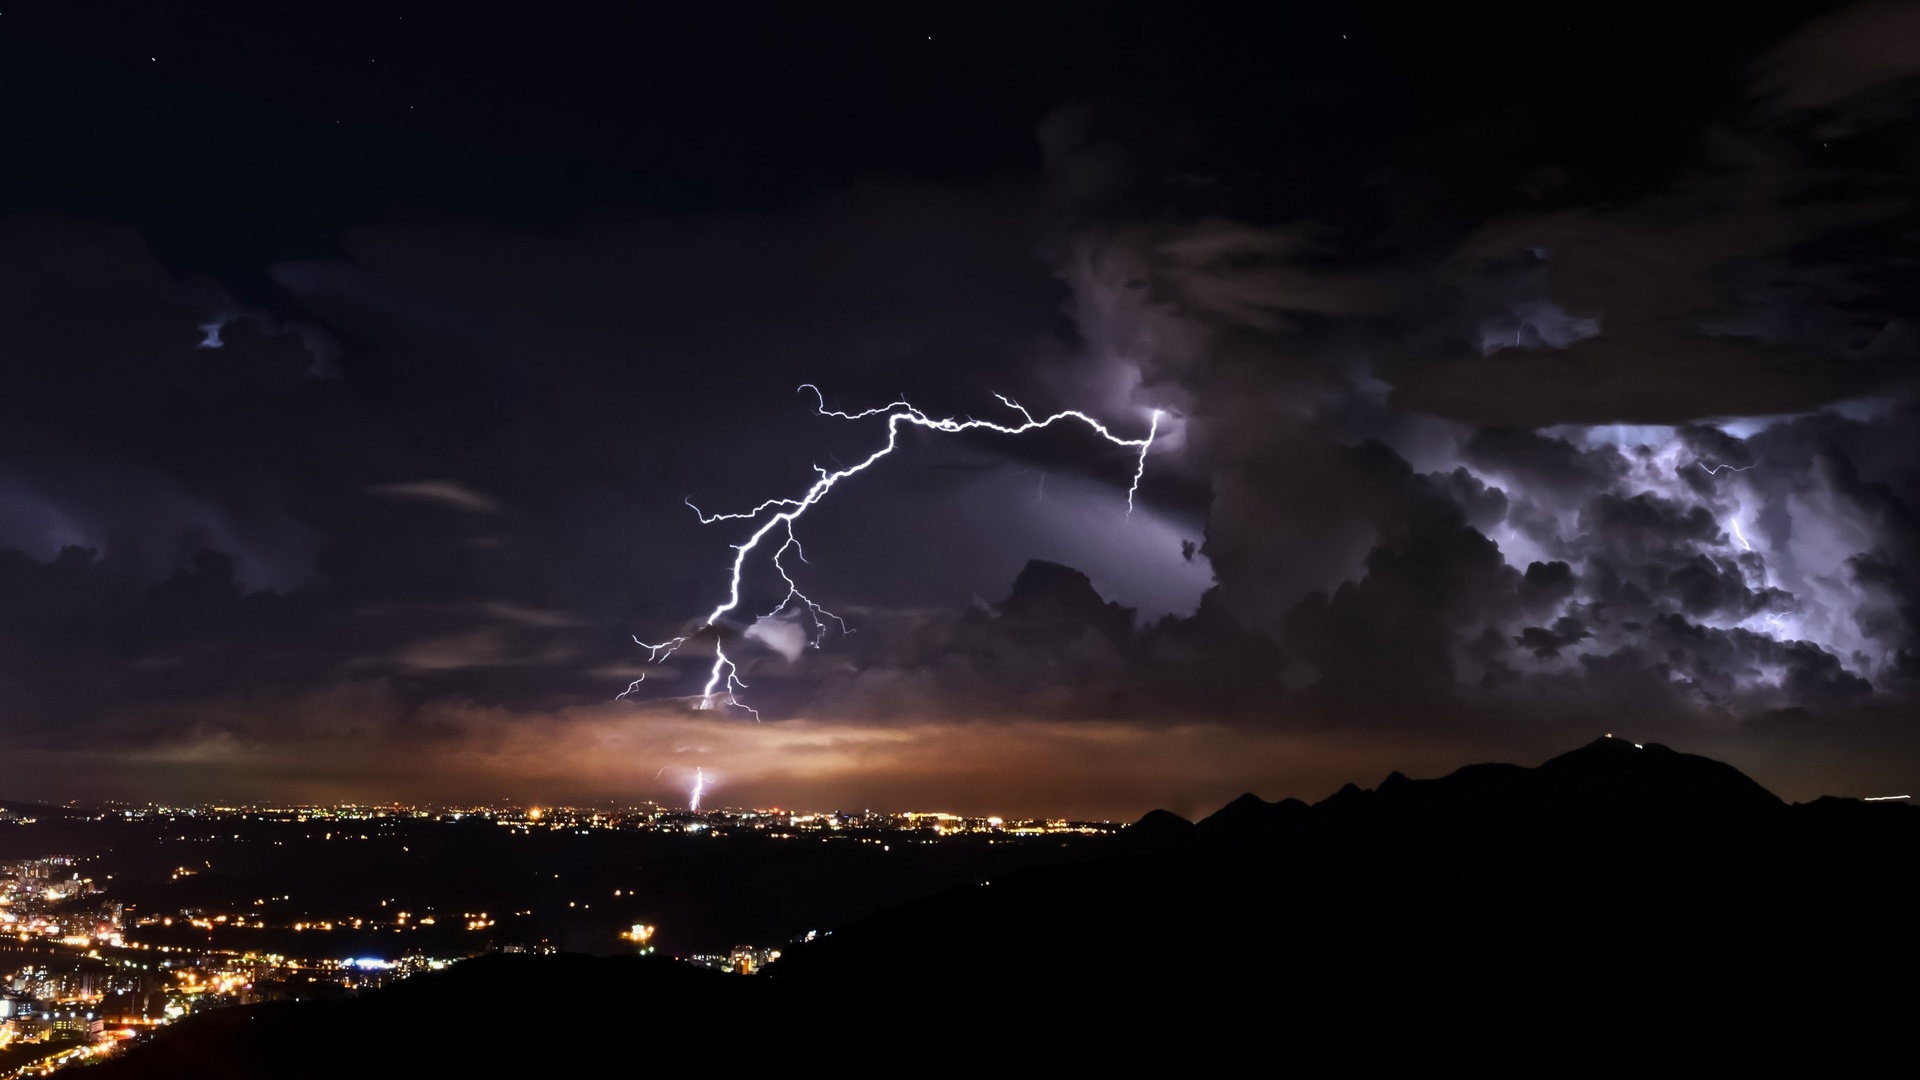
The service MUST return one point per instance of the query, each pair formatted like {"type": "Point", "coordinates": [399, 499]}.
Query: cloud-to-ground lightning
{"type": "Point", "coordinates": [699, 788]}
{"type": "Point", "coordinates": [776, 516]}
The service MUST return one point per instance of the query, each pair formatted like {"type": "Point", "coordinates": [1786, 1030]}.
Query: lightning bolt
{"type": "Point", "coordinates": [1774, 621]}
{"type": "Point", "coordinates": [776, 517]}
{"type": "Point", "coordinates": [655, 654]}
{"type": "Point", "coordinates": [699, 787]}
{"type": "Point", "coordinates": [794, 593]}
{"type": "Point", "coordinates": [1732, 523]}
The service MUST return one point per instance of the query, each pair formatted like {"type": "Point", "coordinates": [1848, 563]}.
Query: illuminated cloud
{"type": "Point", "coordinates": [782, 635]}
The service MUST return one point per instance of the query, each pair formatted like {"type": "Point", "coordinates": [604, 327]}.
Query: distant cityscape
{"type": "Point", "coordinates": [85, 972]}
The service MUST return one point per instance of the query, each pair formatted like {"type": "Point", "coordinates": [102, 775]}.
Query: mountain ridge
{"type": "Point", "coordinates": [1605, 775]}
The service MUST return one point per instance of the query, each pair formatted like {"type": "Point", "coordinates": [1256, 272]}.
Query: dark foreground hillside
{"type": "Point", "coordinates": [1611, 903]}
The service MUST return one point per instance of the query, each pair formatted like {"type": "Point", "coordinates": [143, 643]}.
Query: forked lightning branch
{"type": "Point", "coordinates": [775, 518]}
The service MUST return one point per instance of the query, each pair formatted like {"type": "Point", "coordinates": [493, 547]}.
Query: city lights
{"type": "Point", "coordinates": [77, 948]}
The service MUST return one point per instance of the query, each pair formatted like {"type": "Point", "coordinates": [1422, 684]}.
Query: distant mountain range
{"type": "Point", "coordinates": [1606, 774]}
{"type": "Point", "coordinates": [1618, 901]}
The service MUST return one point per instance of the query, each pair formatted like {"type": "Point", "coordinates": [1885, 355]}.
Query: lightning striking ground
{"type": "Point", "coordinates": [699, 788]}
{"type": "Point", "coordinates": [778, 515]}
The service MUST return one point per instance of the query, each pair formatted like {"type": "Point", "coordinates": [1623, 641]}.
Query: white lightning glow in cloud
{"type": "Point", "coordinates": [1784, 532]}
{"type": "Point", "coordinates": [778, 515]}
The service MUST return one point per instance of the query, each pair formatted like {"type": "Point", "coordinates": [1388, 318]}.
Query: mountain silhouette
{"type": "Point", "coordinates": [1606, 774]}
{"type": "Point", "coordinates": [1157, 830]}
{"type": "Point", "coordinates": [1250, 818]}
{"type": "Point", "coordinates": [1610, 772]}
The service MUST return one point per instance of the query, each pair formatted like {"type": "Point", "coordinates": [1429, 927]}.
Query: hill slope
{"type": "Point", "coordinates": [1493, 904]}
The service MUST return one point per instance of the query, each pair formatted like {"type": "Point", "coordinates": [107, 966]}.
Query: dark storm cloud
{"type": "Point", "coordinates": [1541, 461]}
{"type": "Point", "coordinates": [1545, 643]}
{"type": "Point", "coordinates": [1255, 277]}
{"type": "Point", "coordinates": [1645, 592]}
{"type": "Point", "coordinates": [1450, 406]}
{"type": "Point", "coordinates": [1840, 58]}
{"type": "Point", "coordinates": [1479, 503]}
{"type": "Point", "coordinates": [1054, 647]}
{"type": "Point", "coordinates": [1760, 283]}
{"type": "Point", "coordinates": [1747, 286]}
{"type": "Point", "coordinates": [86, 637]}
{"type": "Point", "coordinates": [1504, 465]}
{"type": "Point", "coordinates": [1420, 586]}
{"type": "Point", "coordinates": [1747, 291]}
{"type": "Point", "coordinates": [162, 440]}
{"type": "Point", "coordinates": [1696, 306]}
{"type": "Point", "coordinates": [481, 498]}
{"type": "Point", "coordinates": [116, 426]}
{"type": "Point", "coordinates": [1873, 468]}
{"type": "Point", "coordinates": [1751, 283]}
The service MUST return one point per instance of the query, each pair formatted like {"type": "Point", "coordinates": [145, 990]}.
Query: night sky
{"type": "Point", "coordinates": [1525, 374]}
